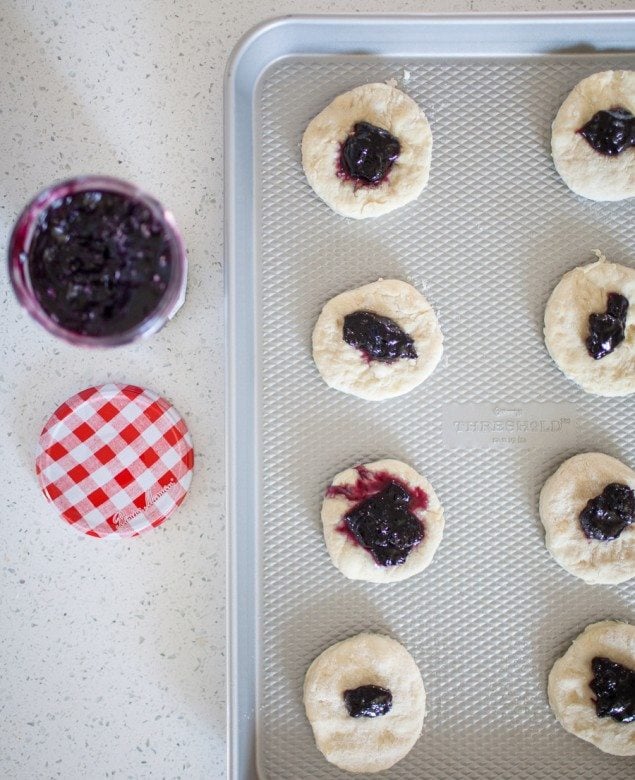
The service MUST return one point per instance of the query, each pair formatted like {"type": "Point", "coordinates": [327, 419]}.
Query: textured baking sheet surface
{"type": "Point", "coordinates": [487, 241]}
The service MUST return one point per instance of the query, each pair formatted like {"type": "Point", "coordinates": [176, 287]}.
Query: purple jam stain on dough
{"type": "Point", "coordinates": [382, 519]}
{"type": "Point", "coordinates": [99, 262]}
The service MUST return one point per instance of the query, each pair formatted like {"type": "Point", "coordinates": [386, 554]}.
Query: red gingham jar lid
{"type": "Point", "coordinates": [115, 459]}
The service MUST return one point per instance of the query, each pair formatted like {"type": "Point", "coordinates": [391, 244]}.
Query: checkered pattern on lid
{"type": "Point", "coordinates": [115, 459]}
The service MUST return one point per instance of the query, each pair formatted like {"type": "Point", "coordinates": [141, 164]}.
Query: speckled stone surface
{"type": "Point", "coordinates": [112, 655]}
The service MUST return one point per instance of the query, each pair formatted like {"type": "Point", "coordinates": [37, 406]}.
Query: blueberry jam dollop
{"type": "Point", "coordinates": [368, 701]}
{"type": "Point", "coordinates": [607, 330]}
{"type": "Point", "coordinates": [99, 262]}
{"type": "Point", "coordinates": [614, 689]}
{"type": "Point", "coordinates": [607, 515]}
{"type": "Point", "coordinates": [368, 154]}
{"type": "Point", "coordinates": [379, 338]}
{"type": "Point", "coordinates": [610, 132]}
{"type": "Point", "coordinates": [382, 520]}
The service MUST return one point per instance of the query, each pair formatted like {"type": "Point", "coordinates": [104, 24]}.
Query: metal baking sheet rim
{"type": "Point", "coordinates": [454, 36]}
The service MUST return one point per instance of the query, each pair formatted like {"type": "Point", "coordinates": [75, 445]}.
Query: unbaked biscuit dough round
{"type": "Point", "coordinates": [563, 497]}
{"type": "Point", "coordinates": [584, 170]}
{"type": "Point", "coordinates": [345, 368]}
{"type": "Point", "coordinates": [353, 560]}
{"type": "Point", "coordinates": [578, 294]}
{"type": "Point", "coordinates": [386, 107]}
{"type": "Point", "coordinates": [572, 700]}
{"type": "Point", "coordinates": [364, 744]}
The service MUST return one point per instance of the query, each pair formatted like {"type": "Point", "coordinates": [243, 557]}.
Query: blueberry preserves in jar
{"type": "Point", "coordinates": [99, 262]}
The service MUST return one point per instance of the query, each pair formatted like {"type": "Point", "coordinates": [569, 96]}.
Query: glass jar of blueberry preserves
{"type": "Point", "coordinates": [98, 262]}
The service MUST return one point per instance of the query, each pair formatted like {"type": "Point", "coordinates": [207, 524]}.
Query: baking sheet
{"type": "Point", "coordinates": [486, 242]}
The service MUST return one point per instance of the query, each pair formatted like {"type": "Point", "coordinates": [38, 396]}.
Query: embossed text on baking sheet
{"type": "Point", "coordinates": [517, 425]}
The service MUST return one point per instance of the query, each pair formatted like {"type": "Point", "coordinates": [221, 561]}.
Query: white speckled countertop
{"type": "Point", "coordinates": [112, 656]}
